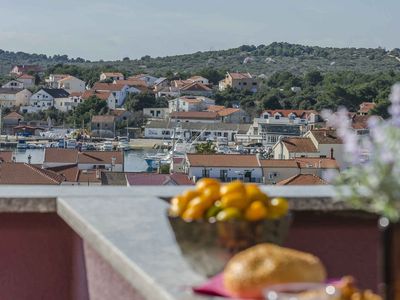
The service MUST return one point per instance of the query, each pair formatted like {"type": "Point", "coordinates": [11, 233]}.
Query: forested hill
{"type": "Point", "coordinates": [262, 59]}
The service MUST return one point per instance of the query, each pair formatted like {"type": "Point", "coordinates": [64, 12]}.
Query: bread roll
{"type": "Point", "coordinates": [254, 269]}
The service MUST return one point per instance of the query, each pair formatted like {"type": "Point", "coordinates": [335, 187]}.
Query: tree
{"type": "Point", "coordinates": [136, 102]}
{"type": "Point", "coordinates": [313, 78]}
{"type": "Point", "coordinates": [85, 110]}
{"type": "Point", "coordinates": [205, 148]}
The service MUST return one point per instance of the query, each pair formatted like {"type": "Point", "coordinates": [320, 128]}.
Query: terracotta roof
{"type": "Point", "coordinates": [316, 162]}
{"type": "Point", "coordinates": [13, 115]}
{"type": "Point", "coordinates": [196, 78]}
{"type": "Point", "coordinates": [195, 86]}
{"type": "Point", "coordinates": [100, 157]}
{"type": "Point", "coordinates": [90, 176]}
{"type": "Point", "coordinates": [198, 115]}
{"type": "Point", "coordinates": [180, 83]}
{"type": "Point", "coordinates": [299, 144]}
{"type": "Point", "coordinates": [57, 155]}
{"type": "Point", "coordinates": [113, 74]}
{"type": "Point", "coordinates": [132, 82]}
{"type": "Point", "coordinates": [215, 108]}
{"type": "Point", "coordinates": [158, 179]}
{"type": "Point", "coordinates": [103, 119]}
{"type": "Point", "coordinates": [26, 76]}
{"type": "Point", "coordinates": [326, 136]}
{"type": "Point", "coordinates": [227, 111]}
{"type": "Point", "coordinates": [70, 172]}
{"type": "Point", "coordinates": [365, 107]}
{"type": "Point", "coordinates": [98, 94]}
{"type": "Point", "coordinates": [112, 87]}
{"type": "Point", "coordinates": [240, 75]}
{"type": "Point", "coordinates": [279, 163]}
{"type": "Point", "coordinates": [27, 68]}
{"type": "Point", "coordinates": [21, 173]}
{"type": "Point", "coordinates": [69, 77]}
{"type": "Point", "coordinates": [359, 122]}
{"type": "Point", "coordinates": [6, 156]}
{"type": "Point", "coordinates": [76, 94]}
{"type": "Point", "coordinates": [191, 99]}
{"type": "Point", "coordinates": [286, 112]}
{"type": "Point", "coordinates": [302, 179]}
{"type": "Point", "coordinates": [223, 160]}
{"type": "Point", "coordinates": [118, 112]}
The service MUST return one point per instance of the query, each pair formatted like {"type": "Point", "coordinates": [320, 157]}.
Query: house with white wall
{"type": "Point", "coordinates": [190, 103]}
{"type": "Point", "coordinates": [69, 103]}
{"type": "Point", "coordinates": [13, 84]}
{"type": "Point", "coordinates": [118, 92]}
{"type": "Point", "coordinates": [225, 167]}
{"type": "Point", "coordinates": [46, 98]}
{"type": "Point", "coordinates": [156, 112]}
{"type": "Point", "coordinates": [27, 80]}
{"type": "Point", "coordinates": [53, 79]}
{"type": "Point", "coordinates": [72, 84]}
{"type": "Point", "coordinates": [14, 97]}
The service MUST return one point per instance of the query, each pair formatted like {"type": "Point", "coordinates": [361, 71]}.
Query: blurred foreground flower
{"type": "Point", "coordinates": [372, 180]}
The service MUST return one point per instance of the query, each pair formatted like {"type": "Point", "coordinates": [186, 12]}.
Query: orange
{"type": "Point", "coordinates": [190, 194]}
{"type": "Point", "coordinates": [204, 183]}
{"type": "Point", "coordinates": [256, 211]}
{"type": "Point", "coordinates": [278, 207]}
{"type": "Point", "coordinates": [200, 203]}
{"type": "Point", "coordinates": [192, 213]}
{"type": "Point", "coordinates": [254, 193]}
{"type": "Point", "coordinates": [178, 205]}
{"type": "Point", "coordinates": [211, 193]}
{"type": "Point", "coordinates": [234, 199]}
{"type": "Point", "coordinates": [235, 186]}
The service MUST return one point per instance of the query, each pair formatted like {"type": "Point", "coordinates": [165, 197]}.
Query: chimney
{"type": "Point", "coordinates": [97, 174]}
{"type": "Point", "coordinates": [325, 134]}
{"type": "Point", "coordinates": [332, 153]}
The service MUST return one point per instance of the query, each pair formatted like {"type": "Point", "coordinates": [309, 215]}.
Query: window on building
{"type": "Point", "coordinates": [277, 117]}
{"type": "Point", "coordinates": [116, 101]}
{"type": "Point", "coordinates": [205, 173]}
{"type": "Point", "coordinates": [225, 134]}
{"type": "Point", "coordinates": [223, 175]}
{"type": "Point", "coordinates": [254, 83]}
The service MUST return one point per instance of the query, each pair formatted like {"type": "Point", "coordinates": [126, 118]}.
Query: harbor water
{"type": "Point", "coordinates": [133, 159]}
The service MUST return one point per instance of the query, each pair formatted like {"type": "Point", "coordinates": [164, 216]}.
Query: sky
{"type": "Point", "coordinates": [113, 29]}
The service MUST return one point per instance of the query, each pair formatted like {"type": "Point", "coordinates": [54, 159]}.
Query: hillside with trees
{"type": "Point", "coordinates": [262, 59]}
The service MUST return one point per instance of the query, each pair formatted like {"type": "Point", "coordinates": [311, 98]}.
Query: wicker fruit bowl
{"type": "Point", "coordinates": [214, 221]}
{"type": "Point", "coordinates": [207, 247]}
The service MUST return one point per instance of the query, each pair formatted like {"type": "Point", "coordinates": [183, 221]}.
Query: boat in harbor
{"type": "Point", "coordinates": [123, 144]}
{"type": "Point", "coordinates": [71, 144]}
{"type": "Point", "coordinates": [107, 146]}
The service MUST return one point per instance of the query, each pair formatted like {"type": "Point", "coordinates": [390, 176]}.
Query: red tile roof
{"type": "Point", "coordinates": [21, 173]}
{"type": "Point", "coordinates": [302, 179]}
{"type": "Point", "coordinates": [359, 122]}
{"type": "Point", "coordinates": [195, 86]}
{"type": "Point", "coordinates": [13, 115]}
{"type": "Point", "coordinates": [101, 95]}
{"type": "Point", "coordinates": [299, 144]}
{"type": "Point", "coordinates": [158, 179]}
{"type": "Point", "coordinates": [317, 162]}
{"type": "Point", "coordinates": [223, 160]}
{"type": "Point", "coordinates": [279, 163]}
{"type": "Point", "coordinates": [6, 156]}
{"type": "Point", "coordinates": [215, 108]}
{"type": "Point", "coordinates": [111, 87]}
{"type": "Point", "coordinates": [26, 76]}
{"type": "Point", "coordinates": [57, 155]}
{"type": "Point", "coordinates": [103, 119]}
{"type": "Point", "coordinates": [198, 115]}
{"type": "Point", "coordinates": [100, 157]}
{"type": "Point", "coordinates": [70, 173]}
{"type": "Point", "coordinates": [228, 111]}
{"type": "Point", "coordinates": [326, 136]}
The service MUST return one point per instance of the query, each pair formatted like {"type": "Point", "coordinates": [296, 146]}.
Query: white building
{"type": "Point", "coordinates": [72, 84]}
{"type": "Point", "coordinates": [190, 103]}
{"type": "Point", "coordinates": [154, 112]}
{"type": "Point", "coordinates": [53, 79]}
{"type": "Point", "coordinates": [13, 84]}
{"type": "Point", "coordinates": [118, 92]}
{"type": "Point", "coordinates": [67, 104]}
{"type": "Point", "coordinates": [225, 167]}
{"type": "Point", "coordinates": [148, 79]}
{"type": "Point", "coordinates": [46, 98]}
{"type": "Point", "coordinates": [27, 80]}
